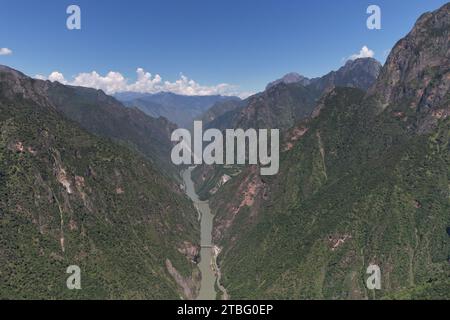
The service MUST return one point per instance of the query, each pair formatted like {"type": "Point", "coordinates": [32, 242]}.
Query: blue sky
{"type": "Point", "coordinates": [247, 43]}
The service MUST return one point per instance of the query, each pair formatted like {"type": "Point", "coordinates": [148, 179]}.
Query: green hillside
{"type": "Point", "coordinates": [356, 190]}
{"type": "Point", "coordinates": [69, 198]}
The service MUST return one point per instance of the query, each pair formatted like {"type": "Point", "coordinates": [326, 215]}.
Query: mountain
{"type": "Point", "coordinates": [72, 198]}
{"type": "Point", "coordinates": [104, 116]}
{"type": "Point", "coordinates": [128, 96]}
{"type": "Point", "coordinates": [359, 73]}
{"type": "Point", "coordinates": [364, 180]}
{"type": "Point", "coordinates": [292, 77]}
{"type": "Point", "coordinates": [182, 110]}
{"type": "Point", "coordinates": [278, 107]}
{"type": "Point", "coordinates": [416, 76]}
{"type": "Point", "coordinates": [219, 110]}
{"type": "Point", "coordinates": [287, 101]}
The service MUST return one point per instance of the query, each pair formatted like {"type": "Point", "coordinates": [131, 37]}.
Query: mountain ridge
{"type": "Point", "coordinates": [281, 105]}
{"type": "Point", "coordinates": [182, 110]}
{"type": "Point", "coordinates": [104, 116]}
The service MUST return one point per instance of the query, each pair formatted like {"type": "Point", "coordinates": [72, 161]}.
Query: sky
{"type": "Point", "coordinates": [230, 47]}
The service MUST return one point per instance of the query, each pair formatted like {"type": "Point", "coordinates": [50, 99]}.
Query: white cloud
{"type": "Point", "coordinates": [57, 76]}
{"type": "Point", "coordinates": [5, 52]}
{"type": "Point", "coordinates": [365, 52]}
{"type": "Point", "coordinates": [145, 82]}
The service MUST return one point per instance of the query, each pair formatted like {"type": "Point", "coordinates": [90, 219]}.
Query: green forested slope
{"type": "Point", "coordinates": [69, 198]}
{"type": "Point", "coordinates": [379, 195]}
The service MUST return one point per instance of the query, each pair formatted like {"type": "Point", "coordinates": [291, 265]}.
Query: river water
{"type": "Point", "coordinates": [207, 289]}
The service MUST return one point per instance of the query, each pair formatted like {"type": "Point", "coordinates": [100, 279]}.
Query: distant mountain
{"type": "Point", "coordinates": [359, 73]}
{"type": "Point", "coordinates": [128, 96]}
{"type": "Point", "coordinates": [292, 77]}
{"type": "Point", "coordinates": [69, 197]}
{"type": "Point", "coordinates": [287, 101]}
{"type": "Point", "coordinates": [363, 181]}
{"type": "Point", "coordinates": [182, 110]}
{"type": "Point", "coordinates": [218, 110]}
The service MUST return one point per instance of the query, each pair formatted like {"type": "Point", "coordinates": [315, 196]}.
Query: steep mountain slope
{"type": "Point", "coordinates": [416, 78]}
{"type": "Point", "coordinates": [284, 103]}
{"type": "Point", "coordinates": [366, 180]}
{"type": "Point", "coordinates": [71, 198]}
{"type": "Point", "coordinates": [278, 107]}
{"type": "Point", "coordinates": [179, 109]}
{"type": "Point", "coordinates": [218, 110]}
{"type": "Point", "coordinates": [103, 115]}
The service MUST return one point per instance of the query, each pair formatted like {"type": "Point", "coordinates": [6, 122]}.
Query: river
{"type": "Point", "coordinates": [207, 289]}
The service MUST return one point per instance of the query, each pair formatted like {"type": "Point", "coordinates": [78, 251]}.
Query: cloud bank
{"type": "Point", "coordinates": [114, 82]}
{"type": "Point", "coordinates": [5, 52]}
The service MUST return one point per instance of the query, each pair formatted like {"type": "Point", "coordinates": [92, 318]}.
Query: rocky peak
{"type": "Point", "coordinates": [360, 73]}
{"type": "Point", "coordinates": [13, 82]}
{"type": "Point", "coordinates": [292, 77]}
{"type": "Point", "coordinates": [417, 72]}
{"type": "Point", "coordinates": [369, 66]}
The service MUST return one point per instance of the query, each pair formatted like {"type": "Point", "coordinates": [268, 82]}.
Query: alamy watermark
{"type": "Point", "coordinates": [374, 280]}
{"type": "Point", "coordinates": [236, 147]}
{"type": "Point", "coordinates": [74, 20]}
{"type": "Point", "coordinates": [374, 20]}
{"type": "Point", "coordinates": [74, 280]}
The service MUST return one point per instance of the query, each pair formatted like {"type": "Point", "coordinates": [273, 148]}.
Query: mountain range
{"type": "Point", "coordinates": [357, 73]}
{"type": "Point", "coordinates": [179, 109]}
{"type": "Point", "coordinates": [86, 179]}
{"type": "Point", "coordinates": [293, 97]}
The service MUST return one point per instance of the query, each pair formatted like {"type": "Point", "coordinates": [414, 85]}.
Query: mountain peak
{"type": "Point", "coordinates": [361, 62]}
{"type": "Point", "coordinates": [359, 73]}
{"type": "Point", "coordinates": [8, 71]}
{"type": "Point", "coordinates": [292, 77]}
{"type": "Point", "coordinates": [417, 72]}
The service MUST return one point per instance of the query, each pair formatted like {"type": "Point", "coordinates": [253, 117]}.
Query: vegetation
{"type": "Point", "coordinates": [358, 188]}
{"type": "Point", "coordinates": [70, 198]}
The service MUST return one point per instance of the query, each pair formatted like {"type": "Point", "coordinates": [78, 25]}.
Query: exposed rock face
{"type": "Point", "coordinates": [191, 251]}
{"type": "Point", "coordinates": [360, 73]}
{"type": "Point", "coordinates": [416, 75]}
{"type": "Point", "coordinates": [190, 285]}
{"type": "Point", "coordinates": [247, 192]}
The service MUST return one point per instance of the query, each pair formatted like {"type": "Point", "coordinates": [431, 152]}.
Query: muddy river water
{"type": "Point", "coordinates": [207, 289]}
